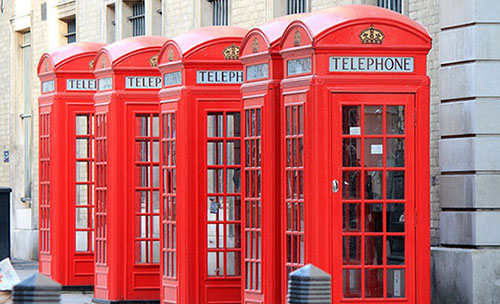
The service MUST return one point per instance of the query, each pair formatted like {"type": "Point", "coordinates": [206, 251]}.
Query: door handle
{"type": "Point", "coordinates": [335, 186]}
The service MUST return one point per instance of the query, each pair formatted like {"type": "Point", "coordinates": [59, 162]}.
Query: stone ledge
{"type": "Point", "coordinates": [470, 191]}
{"type": "Point", "coordinates": [479, 228]}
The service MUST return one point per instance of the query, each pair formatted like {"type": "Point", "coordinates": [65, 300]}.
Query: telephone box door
{"type": "Point", "coordinates": [373, 188]}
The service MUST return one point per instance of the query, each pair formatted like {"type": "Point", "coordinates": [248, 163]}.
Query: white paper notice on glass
{"type": "Point", "coordinates": [355, 131]}
{"type": "Point", "coordinates": [377, 149]}
{"type": "Point", "coordinates": [9, 275]}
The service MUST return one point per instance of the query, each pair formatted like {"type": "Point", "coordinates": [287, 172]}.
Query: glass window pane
{"type": "Point", "coordinates": [373, 250]}
{"type": "Point", "coordinates": [351, 152]}
{"type": "Point", "coordinates": [373, 185]}
{"type": "Point", "coordinates": [233, 208]}
{"type": "Point", "coordinates": [215, 124]}
{"type": "Point", "coordinates": [374, 217]}
{"type": "Point", "coordinates": [374, 151]}
{"type": "Point", "coordinates": [215, 180]}
{"type": "Point", "coordinates": [233, 236]}
{"type": "Point", "coordinates": [233, 180]}
{"type": "Point", "coordinates": [351, 116]}
{"type": "Point", "coordinates": [233, 263]}
{"type": "Point", "coordinates": [395, 184]}
{"type": "Point", "coordinates": [141, 150]}
{"type": "Point", "coordinates": [215, 208]}
{"type": "Point", "coordinates": [395, 152]}
{"type": "Point", "coordinates": [395, 120]}
{"type": "Point", "coordinates": [233, 124]}
{"type": "Point", "coordinates": [82, 218]}
{"type": "Point", "coordinates": [141, 252]}
{"type": "Point", "coordinates": [156, 151]}
{"type": "Point", "coordinates": [374, 286]}
{"type": "Point", "coordinates": [82, 194]}
{"type": "Point", "coordinates": [82, 171]}
{"type": "Point", "coordinates": [156, 176]}
{"type": "Point", "coordinates": [395, 250]}
{"type": "Point", "coordinates": [395, 283]}
{"type": "Point", "coordinates": [82, 148]}
{"type": "Point", "coordinates": [142, 125]}
{"type": "Point", "coordinates": [233, 152]}
{"type": "Point", "coordinates": [156, 252]}
{"type": "Point", "coordinates": [351, 184]}
{"type": "Point", "coordinates": [351, 249]}
{"type": "Point", "coordinates": [156, 227]}
{"type": "Point", "coordinates": [395, 218]}
{"type": "Point", "coordinates": [215, 263]}
{"type": "Point", "coordinates": [156, 126]}
{"type": "Point", "coordinates": [373, 120]}
{"type": "Point", "coordinates": [81, 241]}
{"type": "Point", "coordinates": [215, 153]}
{"type": "Point", "coordinates": [82, 125]}
{"type": "Point", "coordinates": [352, 283]}
{"type": "Point", "coordinates": [142, 176]}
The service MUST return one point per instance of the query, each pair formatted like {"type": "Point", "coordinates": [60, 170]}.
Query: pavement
{"type": "Point", "coordinates": [26, 268]}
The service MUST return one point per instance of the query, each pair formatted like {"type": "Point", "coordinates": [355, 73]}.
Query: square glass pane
{"type": "Point", "coordinates": [395, 120]}
{"type": "Point", "coordinates": [395, 152]}
{"type": "Point", "coordinates": [351, 250]}
{"type": "Point", "coordinates": [373, 119]}
{"type": "Point", "coordinates": [374, 152]}
{"type": "Point", "coordinates": [215, 153]}
{"type": "Point", "coordinates": [395, 250]}
{"type": "Point", "coordinates": [156, 176]}
{"type": "Point", "coordinates": [141, 201]}
{"type": "Point", "coordinates": [156, 226]}
{"type": "Point", "coordinates": [374, 250]}
{"type": "Point", "coordinates": [215, 208]}
{"type": "Point", "coordinates": [82, 148]}
{"type": "Point", "coordinates": [215, 180]}
{"type": "Point", "coordinates": [82, 194]}
{"type": "Point", "coordinates": [351, 184]}
{"type": "Point", "coordinates": [142, 125]}
{"type": "Point", "coordinates": [395, 283]}
{"type": "Point", "coordinates": [352, 283]}
{"type": "Point", "coordinates": [156, 252]}
{"type": "Point", "coordinates": [351, 221]}
{"type": "Point", "coordinates": [351, 152]}
{"type": "Point", "coordinates": [233, 236]}
{"type": "Point", "coordinates": [233, 152]}
{"type": "Point", "coordinates": [351, 120]}
{"type": "Point", "coordinates": [82, 125]}
{"type": "Point", "coordinates": [215, 236]}
{"type": "Point", "coordinates": [156, 201]}
{"type": "Point", "coordinates": [82, 171]}
{"type": "Point", "coordinates": [142, 224]}
{"type": "Point", "coordinates": [142, 150]}
{"type": "Point", "coordinates": [156, 126]}
{"type": "Point", "coordinates": [373, 185]}
{"type": "Point", "coordinates": [395, 218]}
{"type": "Point", "coordinates": [395, 184]}
{"type": "Point", "coordinates": [215, 263]}
{"type": "Point", "coordinates": [141, 252]}
{"type": "Point", "coordinates": [82, 218]}
{"type": "Point", "coordinates": [233, 208]}
{"type": "Point", "coordinates": [374, 283]}
{"type": "Point", "coordinates": [234, 124]}
{"type": "Point", "coordinates": [142, 176]}
{"type": "Point", "coordinates": [233, 181]}
{"type": "Point", "coordinates": [215, 125]}
{"type": "Point", "coordinates": [156, 151]}
{"type": "Point", "coordinates": [374, 217]}
{"type": "Point", "coordinates": [234, 263]}
{"type": "Point", "coordinates": [82, 241]}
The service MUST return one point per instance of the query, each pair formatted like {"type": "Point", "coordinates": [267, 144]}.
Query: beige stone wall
{"type": "Point", "coordinates": [427, 13]}
{"type": "Point", "coordinates": [248, 13]}
{"type": "Point", "coordinates": [181, 16]}
{"type": "Point", "coordinates": [88, 20]}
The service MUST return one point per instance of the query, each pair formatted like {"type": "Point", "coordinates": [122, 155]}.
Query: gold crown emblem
{"type": "Point", "coordinates": [46, 66]}
{"type": "Point", "coordinates": [103, 62]}
{"type": "Point", "coordinates": [170, 54]}
{"type": "Point", "coordinates": [296, 38]}
{"type": "Point", "coordinates": [255, 45]}
{"type": "Point", "coordinates": [91, 64]}
{"type": "Point", "coordinates": [154, 61]}
{"type": "Point", "coordinates": [371, 36]}
{"type": "Point", "coordinates": [231, 52]}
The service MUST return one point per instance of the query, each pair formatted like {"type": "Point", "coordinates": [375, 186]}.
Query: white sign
{"type": "Point", "coordinates": [142, 82]}
{"type": "Point", "coordinates": [355, 131]}
{"type": "Point", "coordinates": [174, 78]}
{"type": "Point", "coordinates": [48, 86]}
{"type": "Point", "coordinates": [219, 76]}
{"type": "Point", "coordinates": [377, 149]}
{"type": "Point", "coordinates": [372, 64]}
{"type": "Point", "coordinates": [299, 66]}
{"type": "Point", "coordinates": [258, 71]}
{"type": "Point", "coordinates": [105, 83]}
{"type": "Point", "coordinates": [80, 84]}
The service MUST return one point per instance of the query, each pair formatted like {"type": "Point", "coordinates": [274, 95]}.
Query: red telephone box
{"type": "Point", "coordinates": [261, 97]}
{"type": "Point", "coordinates": [66, 113]}
{"type": "Point", "coordinates": [127, 172]}
{"type": "Point", "coordinates": [355, 162]}
{"type": "Point", "coordinates": [201, 166]}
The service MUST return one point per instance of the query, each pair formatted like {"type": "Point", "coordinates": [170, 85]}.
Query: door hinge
{"type": "Point", "coordinates": [415, 118]}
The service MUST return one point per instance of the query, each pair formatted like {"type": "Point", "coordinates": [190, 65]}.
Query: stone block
{"type": "Point", "coordinates": [478, 228]}
{"type": "Point", "coordinates": [478, 42]}
{"type": "Point", "coordinates": [465, 276]}
{"type": "Point", "coordinates": [477, 79]}
{"type": "Point", "coordinates": [460, 12]}
{"type": "Point", "coordinates": [470, 191]}
{"type": "Point", "coordinates": [470, 154]}
{"type": "Point", "coordinates": [24, 244]}
{"type": "Point", "coordinates": [478, 116]}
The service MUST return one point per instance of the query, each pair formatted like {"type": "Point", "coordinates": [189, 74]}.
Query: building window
{"type": "Point", "coordinates": [296, 6]}
{"type": "Point", "coordinates": [71, 34]}
{"type": "Point", "coordinates": [394, 5]}
{"type": "Point", "coordinates": [110, 23]}
{"type": "Point", "coordinates": [26, 116]}
{"type": "Point", "coordinates": [138, 19]}
{"type": "Point", "coordinates": [220, 12]}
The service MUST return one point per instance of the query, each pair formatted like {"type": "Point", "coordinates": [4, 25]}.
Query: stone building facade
{"type": "Point", "coordinates": [465, 169]}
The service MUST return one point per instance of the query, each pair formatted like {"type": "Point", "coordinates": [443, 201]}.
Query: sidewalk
{"type": "Point", "coordinates": [26, 268]}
